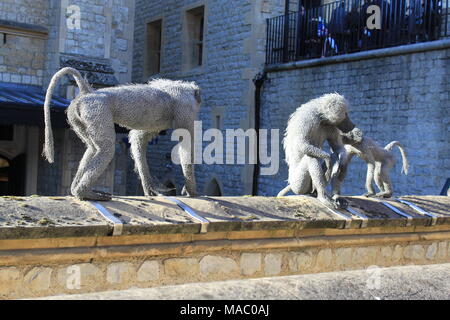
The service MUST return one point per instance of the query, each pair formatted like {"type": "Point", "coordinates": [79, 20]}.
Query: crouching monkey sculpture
{"type": "Point", "coordinates": [308, 127]}
{"type": "Point", "coordinates": [146, 109]}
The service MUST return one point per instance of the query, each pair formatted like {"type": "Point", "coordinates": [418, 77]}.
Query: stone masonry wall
{"type": "Point", "coordinates": [403, 97]}
{"type": "Point", "coordinates": [22, 58]}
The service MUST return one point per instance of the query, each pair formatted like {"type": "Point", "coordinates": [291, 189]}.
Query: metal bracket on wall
{"type": "Point", "coordinates": [420, 210]}
{"type": "Point", "coordinates": [204, 222]}
{"type": "Point", "coordinates": [117, 224]}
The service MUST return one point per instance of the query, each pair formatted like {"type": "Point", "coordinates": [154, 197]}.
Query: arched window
{"type": "Point", "coordinates": [4, 176]}
{"type": "Point", "coordinates": [172, 189]}
{"type": "Point", "coordinates": [213, 188]}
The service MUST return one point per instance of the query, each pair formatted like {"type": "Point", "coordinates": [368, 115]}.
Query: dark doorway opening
{"type": "Point", "coordinates": [12, 176]}
{"type": "Point", "coordinates": [172, 189]}
{"type": "Point", "coordinates": [213, 188]}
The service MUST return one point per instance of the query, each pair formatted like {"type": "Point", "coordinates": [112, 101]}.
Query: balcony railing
{"type": "Point", "coordinates": [345, 26]}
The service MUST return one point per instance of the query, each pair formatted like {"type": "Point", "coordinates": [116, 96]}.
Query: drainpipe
{"type": "Point", "coordinates": [258, 81]}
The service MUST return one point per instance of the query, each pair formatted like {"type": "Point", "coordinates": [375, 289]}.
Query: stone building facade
{"type": "Point", "coordinates": [38, 37]}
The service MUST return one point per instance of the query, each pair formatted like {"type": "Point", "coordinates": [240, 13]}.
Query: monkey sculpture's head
{"type": "Point", "coordinates": [333, 109]}
{"type": "Point", "coordinates": [353, 137]}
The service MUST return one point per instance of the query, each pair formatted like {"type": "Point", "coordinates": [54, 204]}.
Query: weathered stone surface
{"type": "Point", "coordinates": [300, 261]}
{"type": "Point", "coordinates": [431, 251]}
{"type": "Point", "coordinates": [386, 253]}
{"type": "Point", "coordinates": [414, 252]}
{"type": "Point", "coordinates": [324, 258]}
{"type": "Point", "coordinates": [38, 279]}
{"type": "Point", "coordinates": [9, 279]}
{"type": "Point", "coordinates": [343, 257]}
{"type": "Point", "coordinates": [250, 263]}
{"type": "Point", "coordinates": [211, 265]}
{"type": "Point", "coordinates": [79, 276]}
{"type": "Point", "coordinates": [120, 272]}
{"type": "Point", "coordinates": [365, 256]}
{"type": "Point", "coordinates": [181, 267]}
{"type": "Point", "coordinates": [272, 264]}
{"type": "Point", "coordinates": [397, 254]}
{"type": "Point", "coordinates": [442, 246]}
{"type": "Point", "coordinates": [148, 271]}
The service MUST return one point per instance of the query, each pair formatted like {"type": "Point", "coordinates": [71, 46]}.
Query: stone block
{"type": "Point", "coordinates": [250, 263]}
{"type": "Point", "coordinates": [273, 264]}
{"type": "Point", "coordinates": [84, 275]}
{"type": "Point", "coordinates": [38, 279]}
{"type": "Point", "coordinates": [119, 272]}
{"type": "Point", "coordinates": [148, 271]}
{"type": "Point", "coordinates": [181, 267]}
{"type": "Point", "coordinates": [324, 258]}
{"type": "Point", "coordinates": [9, 280]}
{"type": "Point", "coordinates": [343, 257]}
{"type": "Point", "coordinates": [211, 265]}
{"type": "Point", "coordinates": [414, 252]}
{"type": "Point", "coordinates": [300, 261]}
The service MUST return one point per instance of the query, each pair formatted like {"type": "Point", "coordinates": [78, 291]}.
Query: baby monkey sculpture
{"type": "Point", "coordinates": [146, 109]}
{"type": "Point", "coordinates": [379, 162]}
{"type": "Point", "coordinates": [320, 119]}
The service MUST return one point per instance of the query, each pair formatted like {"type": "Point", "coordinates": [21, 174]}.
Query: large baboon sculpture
{"type": "Point", "coordinates": [379, 162]}
{"type": "Point", "coordinates": [146, 109]}
{"type": "Point", "coordinates": [308, 127]}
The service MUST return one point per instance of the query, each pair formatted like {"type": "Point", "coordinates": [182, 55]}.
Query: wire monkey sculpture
{"type": "Point", "coordinates": [379, 162]}
{"type": "Point", "coordinates": [308, 127]}
{"type": "Point", "coordinates": [146, 109]}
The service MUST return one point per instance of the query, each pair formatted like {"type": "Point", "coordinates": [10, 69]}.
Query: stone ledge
{"type": "Point", "coordinates": [364, 55]}
{"type": "Point", "coordinates": [45, 241]}
{"type": "Point", "coordinates": [66, 217]}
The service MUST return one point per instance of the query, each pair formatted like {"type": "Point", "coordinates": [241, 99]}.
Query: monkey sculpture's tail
{"type": "Point", "coordinates": [49, 152]}
{"type": "Point", "coordinates": [284, 191]}
{"type": "Point", "coordinates": [391, 145]}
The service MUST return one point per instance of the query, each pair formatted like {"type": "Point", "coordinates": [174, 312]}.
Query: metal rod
{"type": "Point", "coordinates": [117, 223]}
{"type": "Point", "coordinates": [399, 212]}
{"type": "Point", "coordinates": [420, 210]}
{"type": "Point", "coordinates": [364, 218]}
{"type": "Point", "coordinates": [204, 222]}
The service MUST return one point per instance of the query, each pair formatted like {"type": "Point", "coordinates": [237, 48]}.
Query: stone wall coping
{"type": "Point", "coordinates": [34, 218]}
{"type": "Point", "coordinates": [364, 55]}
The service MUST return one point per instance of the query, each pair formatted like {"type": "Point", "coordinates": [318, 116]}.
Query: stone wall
{"type": "Point", "coordinates": [402, 97]}
{"type": "Point", "coordinates": [22, 58]}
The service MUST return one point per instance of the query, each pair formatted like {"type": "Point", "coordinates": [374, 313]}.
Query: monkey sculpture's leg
{"type": "Point", "coordinates": [386, 180]}
{"type": "Point", "coordinates": [369, 179]}
{"type": "Point", "coordinates": [80, 130]}
{"type": "Point", "coordinates": [102, 135]}
{"type": "Point", "coordinates": [187, 165]}
{"type": "Point", "coordinates": [338, 179]}
{"type": "Point", "coordinates": [308, 174]}
{"type": "Point", "coordinates": [377, 177]}
{"type": "Point", "coordinates": [139, 142]}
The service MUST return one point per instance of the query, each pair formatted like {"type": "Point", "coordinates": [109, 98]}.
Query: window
{"type": "Point", "coordinates": [153, 48]}
{"type": "Point", "coordinates": [6, 132]}
{"type": "Point", "coordinates": [194, 30]}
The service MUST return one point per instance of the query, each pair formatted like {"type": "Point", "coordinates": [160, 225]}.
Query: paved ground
{"type": "Point", "coordinates": [409, 282]}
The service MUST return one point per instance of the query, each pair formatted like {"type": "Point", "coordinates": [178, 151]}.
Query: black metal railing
{"type": "Point", "coordinates": [345, 26]}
